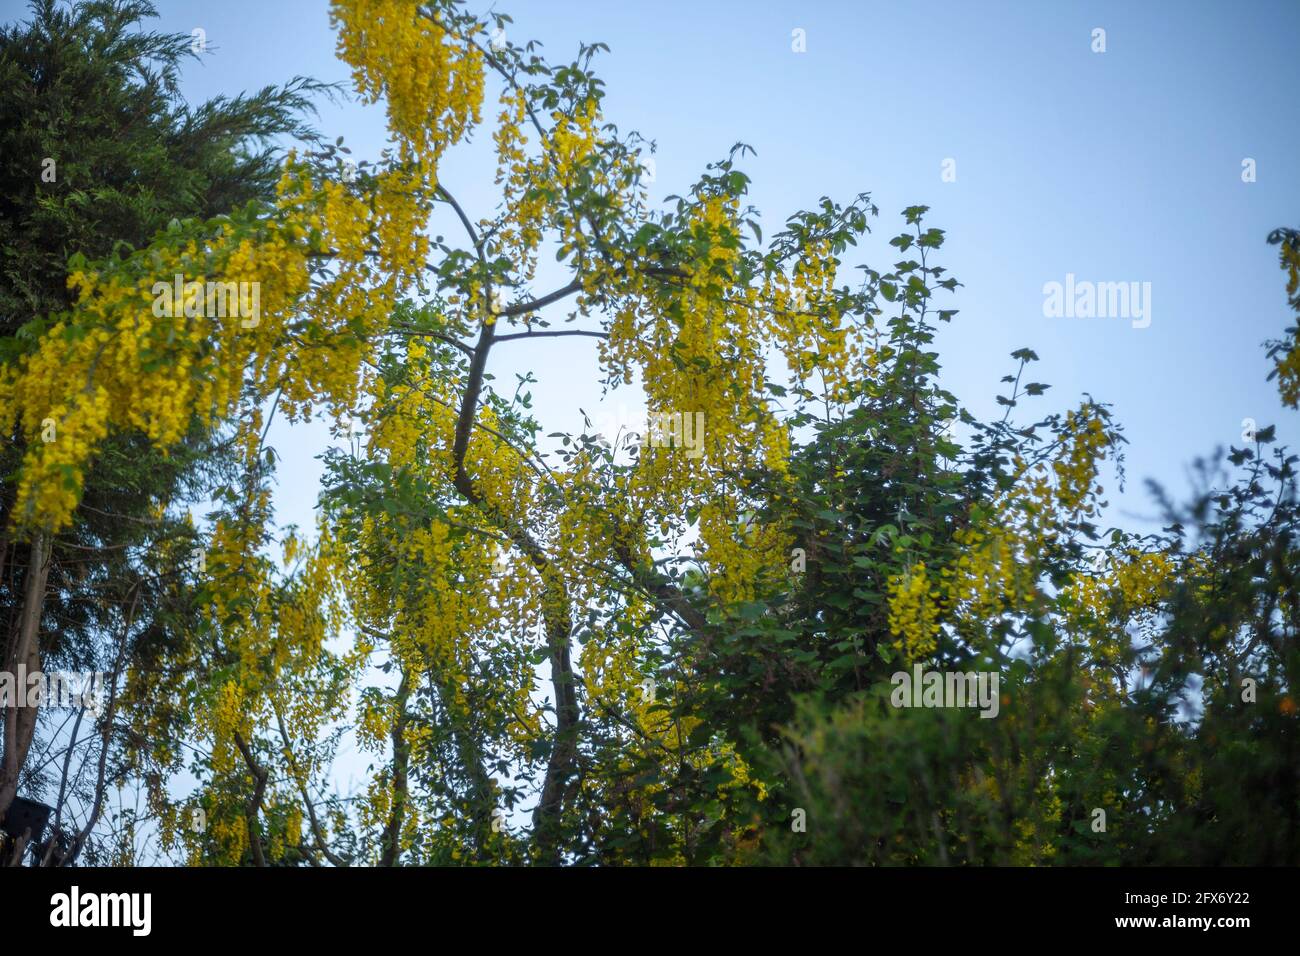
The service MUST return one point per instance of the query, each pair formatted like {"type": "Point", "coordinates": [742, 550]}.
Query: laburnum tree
{"type": "Point", "coordinates": [564, 649]}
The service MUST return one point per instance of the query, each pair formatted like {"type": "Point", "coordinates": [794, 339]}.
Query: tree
{"type": "Point", "coordinates": [100, 153]}
{"type": "Point", "coordinates": [719, 610]}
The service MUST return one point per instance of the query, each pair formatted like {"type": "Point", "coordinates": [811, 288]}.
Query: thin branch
{"type": "Point", "coordinates": [532, 305]}
{"type": "Point", "coordinates": [559, 333]}
{"type": "Point", "coordinates": [334, 858]}
{"type": "Point", "coordinates": [440, 336]}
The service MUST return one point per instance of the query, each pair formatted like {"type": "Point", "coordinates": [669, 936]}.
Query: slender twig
{"type": "Point", "coordinates": [532, 334]}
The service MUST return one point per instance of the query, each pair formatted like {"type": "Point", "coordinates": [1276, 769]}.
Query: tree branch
{"type": "Point", "coordinates": [532, 305]}
{"type": "Point", "coordinates": [559, 333]}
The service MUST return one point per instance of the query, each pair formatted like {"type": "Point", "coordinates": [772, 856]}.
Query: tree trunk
{"type": "Point", "coordinates": [20, 721]}
{"type": "Point", "coordinates": [564, 752]}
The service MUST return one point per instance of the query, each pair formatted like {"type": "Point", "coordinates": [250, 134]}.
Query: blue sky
{"type": "Point", "coordinates": [1117, 166]}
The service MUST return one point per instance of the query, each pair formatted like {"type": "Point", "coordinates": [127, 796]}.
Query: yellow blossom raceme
{"type": "Point", "coordinates": [745, 558]}
{"type": "Point", "coordinates": [806, 324]}
{"type": "Point", "coordinates": [517, 174]}
{"type": "Point", "coordinates": [1077, 469]}
{"type": "Point", "coordinates": [989, 578]}
{"type": "Point", "coordinates": [913, 612]}
{"type": "Point", "coordinates": [1129, 587]}
{"type": "Point", "coordinates": [698, 324]}
{"type": "Point", "coordinates": [431, 79]}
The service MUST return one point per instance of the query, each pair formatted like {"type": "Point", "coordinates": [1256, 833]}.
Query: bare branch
{"type": "Point", "coordinates": [532, 305]}
{"type": "Point", "coordinates": [546, 334]}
